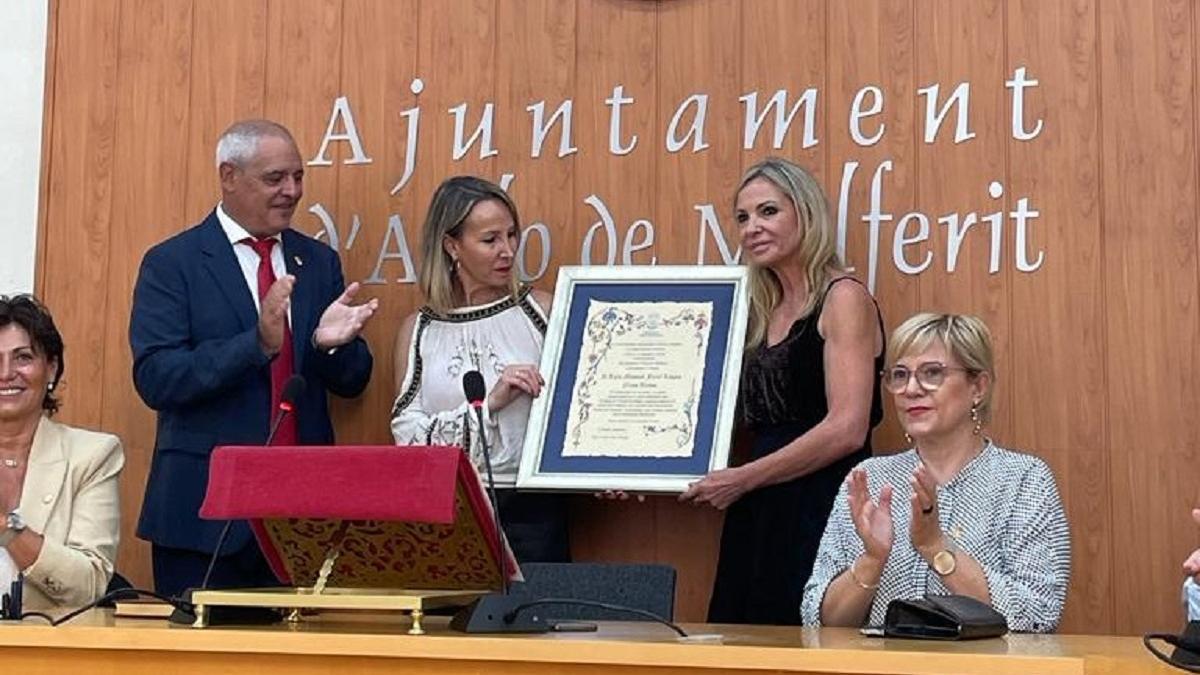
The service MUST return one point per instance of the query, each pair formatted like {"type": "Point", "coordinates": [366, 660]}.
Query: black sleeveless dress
{"type": "Point", "coordinates": [771, 534]}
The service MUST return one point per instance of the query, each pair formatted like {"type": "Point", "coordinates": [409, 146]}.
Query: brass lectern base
{"type": "Point", "coordinates": [413, 602]}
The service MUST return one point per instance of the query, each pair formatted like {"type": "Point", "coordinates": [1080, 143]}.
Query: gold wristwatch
{"type": "Point", "coordinates": [944, 562]}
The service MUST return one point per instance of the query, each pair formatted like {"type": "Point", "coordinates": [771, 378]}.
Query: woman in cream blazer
{"type": "Point", "coordinates": [71, 498]}
{"type": "Point", "coordinates": [59, 497]}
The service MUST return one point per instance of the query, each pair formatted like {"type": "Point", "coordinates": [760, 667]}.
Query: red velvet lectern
{"type": "Point", "coordinates": [365, 527]}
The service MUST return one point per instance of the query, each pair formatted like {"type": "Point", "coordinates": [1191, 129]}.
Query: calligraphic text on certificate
{"type": "Point", "coordinates": [638, 379]}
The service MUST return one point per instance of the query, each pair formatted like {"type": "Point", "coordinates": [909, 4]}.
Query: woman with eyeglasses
{"type": "Point", "coordinates": [956, 513]}
{"type": "Point", "coordinates": [809, 396]}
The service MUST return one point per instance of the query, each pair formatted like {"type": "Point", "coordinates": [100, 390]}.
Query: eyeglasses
{"type": "Point", "coordinates": [930, 376]}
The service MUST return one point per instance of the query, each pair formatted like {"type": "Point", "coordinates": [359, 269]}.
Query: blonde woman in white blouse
{"type": "Point", "coordinates": [478, 317]}
{"type": "Point", "coordinates": [956, 513]}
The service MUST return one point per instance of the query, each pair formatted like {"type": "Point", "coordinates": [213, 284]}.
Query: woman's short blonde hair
{"type": "Point", "coordinates": [451, 204]}
{"type": "Point", "coordinates": [966, 337]}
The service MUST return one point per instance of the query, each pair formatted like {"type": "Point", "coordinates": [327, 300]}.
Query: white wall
{"type": "Point", "coordinates": [22, 78]}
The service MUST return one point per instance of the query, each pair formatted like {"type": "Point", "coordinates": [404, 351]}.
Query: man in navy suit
{"type": "Point", "coordinates": [223, 314]}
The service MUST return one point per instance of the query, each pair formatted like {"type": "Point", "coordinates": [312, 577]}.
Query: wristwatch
{"type": "Point", "coordinates": [944, 562]}
{"type": "Point", "coordinates": [13, 525]}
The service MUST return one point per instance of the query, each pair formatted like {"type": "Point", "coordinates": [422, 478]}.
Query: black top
{"type": "Point", "coordinates": [771, 535]}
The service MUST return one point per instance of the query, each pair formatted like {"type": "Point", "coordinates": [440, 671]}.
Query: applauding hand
{"type": "Point", "coordinates": [872, 521]}
{"type": "Point", "coordinates": [342, 322]}
{"type": "Point", "coordinates": [926, 532]}
{"type": "Point", "coordinates": [272, 318]}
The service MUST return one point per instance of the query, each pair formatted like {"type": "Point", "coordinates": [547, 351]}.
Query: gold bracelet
{"type": "Point", "coordinates": [854, 577]}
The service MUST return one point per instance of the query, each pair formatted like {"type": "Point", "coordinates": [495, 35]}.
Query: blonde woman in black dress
{"type": "Point", "coordinates": [809, 397]}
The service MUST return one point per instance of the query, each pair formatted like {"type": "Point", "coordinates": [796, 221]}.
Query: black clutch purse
{"type": "Point", "coordinates": [1186, 655]}
{"type": "Point", "coordinates": [943, 617]}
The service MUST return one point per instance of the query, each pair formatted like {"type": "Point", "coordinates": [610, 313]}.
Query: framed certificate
{"type": "Point", "coordinates": [642, 367]}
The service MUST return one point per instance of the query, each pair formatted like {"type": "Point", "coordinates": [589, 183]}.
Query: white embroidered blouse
{"type": "Point", "coordinates": [431, 407]}
{"type": "Point", "coordinates": [1002, 508]}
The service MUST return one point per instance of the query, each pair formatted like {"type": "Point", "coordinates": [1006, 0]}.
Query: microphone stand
{"type": "Point", "coordinates": [284, 409]}
{"type": "Point", "coordinates": [183, 617]}
{"type": "Point", "coordinates": [496, 612]}
{"type": "Point", "coordinates": [491, 487]}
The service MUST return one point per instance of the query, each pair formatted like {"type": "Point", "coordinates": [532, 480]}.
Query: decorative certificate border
{"type": "Point", "coordinates": [542, 463]}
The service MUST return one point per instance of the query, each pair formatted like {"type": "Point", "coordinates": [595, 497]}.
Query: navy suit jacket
{"type": "Point", "coordinates": [198, 363]}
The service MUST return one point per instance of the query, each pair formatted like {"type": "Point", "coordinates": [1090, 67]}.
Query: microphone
{"type": "Point", "coordinates": [292, 390]}
{"type": "Point", "coordinates": [495, 612]}
{"type": "Point", "coordinates": [474, 388]}
{"type": "Point", "coordinates": [11, 603]}
{"type": "Point", "coordinates": [476, 391]}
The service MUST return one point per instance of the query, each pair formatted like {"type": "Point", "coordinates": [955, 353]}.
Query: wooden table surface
{"type": "Point", "coordinates": [345, 644]}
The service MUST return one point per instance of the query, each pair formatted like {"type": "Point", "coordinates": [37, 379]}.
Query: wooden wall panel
{"type": "Point", "coordinates": [784, 47]}
{"type": "Point", "coordinates": [379, 64]}
{"type": "Point", "coordinates": [457, 48]}
{"type": "Point", "coordinates": [964, 42]}
{"type": "Point", "coordinates": [615, 46]}
{"type": "Point", "coordinates": [535, 61]}
{"type": "Point", "coordinates": [303, 77]}
{"type": "Point", "coordinates": [871, 43]}
{"type": "Point", "coordinates": [1096, 348]}
{"type": "Point", "coordinates": [73, 261]}
{"type": "Point", "coordinates": [1149, 214]}
{"type": "Point", "coordinates": [154, 58]}
{"type": "Point", "coordinates": [49, 93]}
{"type": "Point", "coordinates": [228, 76]}
{"type": "Point", "coordinates": [1058, 311]}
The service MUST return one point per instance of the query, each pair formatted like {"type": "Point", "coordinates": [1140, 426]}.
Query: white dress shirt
{"type": "Point", "coordinates": [248, 258]}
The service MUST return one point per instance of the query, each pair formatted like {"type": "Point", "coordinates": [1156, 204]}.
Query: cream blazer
{"type": "Point", "coordinates": [71, 498]}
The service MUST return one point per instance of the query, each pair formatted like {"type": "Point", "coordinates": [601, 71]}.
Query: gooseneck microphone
{"type": "Point", "coordinates": [292, 390]}
{"type": "Point", "coordinates": [476, 391]}
{"type": "Point", "coordinates": [491, 613]}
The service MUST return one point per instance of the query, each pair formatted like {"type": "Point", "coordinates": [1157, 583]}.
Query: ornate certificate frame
{"type": "Point", "coordinates": [545, 466]}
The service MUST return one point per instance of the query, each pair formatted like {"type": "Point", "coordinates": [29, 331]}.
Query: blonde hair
{"type": "Point", "coordinates": [818, 244]}
{"type": "Point", "coordinates": [966, 337]}
{"type": "Point", "coordinates": [448, 210]}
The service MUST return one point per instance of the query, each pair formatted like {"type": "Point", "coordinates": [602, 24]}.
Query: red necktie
{"type": "Point", "coordinates": [282, 365]}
